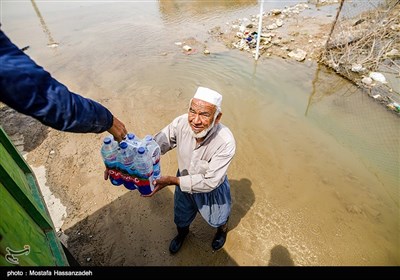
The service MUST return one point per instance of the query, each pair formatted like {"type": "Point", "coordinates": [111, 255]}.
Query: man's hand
{"type": "Point", "coordinates": [162, 183]}
{"type": "Point", "coordinates": [118, 129]}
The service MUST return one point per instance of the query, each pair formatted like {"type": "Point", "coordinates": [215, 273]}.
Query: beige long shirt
{"type": "Point", "coordinates": [203, 166]}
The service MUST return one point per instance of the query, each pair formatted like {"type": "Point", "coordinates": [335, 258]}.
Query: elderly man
{"type": "Point", "coordinates": [205, 148]}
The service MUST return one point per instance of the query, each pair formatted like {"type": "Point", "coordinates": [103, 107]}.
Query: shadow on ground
{"type": "Point", "coordinates": [25, 132]}
{"type": "Point", "coordinates": [136, 231]}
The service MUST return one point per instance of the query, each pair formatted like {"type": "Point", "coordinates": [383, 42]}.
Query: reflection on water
{"type": "Point", "coordinates": [46, 30]}
{"type": "Point", "coordinates": [321, 157]}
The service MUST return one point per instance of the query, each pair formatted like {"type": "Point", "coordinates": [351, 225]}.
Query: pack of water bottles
{"type": "Point", "coordinates": [133, 162]}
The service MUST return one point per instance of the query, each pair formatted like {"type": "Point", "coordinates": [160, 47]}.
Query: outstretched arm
{"type": "Point", "coordinates": [31, 90]}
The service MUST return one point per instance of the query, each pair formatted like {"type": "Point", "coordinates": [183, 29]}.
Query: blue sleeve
{"type": "Point", "coordinates": [29, 89]}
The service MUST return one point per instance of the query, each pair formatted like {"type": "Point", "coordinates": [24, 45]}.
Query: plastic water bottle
{"type": "Point", "coordinates": [109, 152]}
{"type": "Point", "coordinates": [143, 163]}
{"type": "Point", "coordinates": [125, 157]}
{"type": "Point", "coordinates": [133, 140]}
{"type": "Point", "coordinates": [155, 152]}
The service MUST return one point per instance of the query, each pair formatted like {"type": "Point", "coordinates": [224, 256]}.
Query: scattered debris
{"type": "Point", "coordinates": [370, 45]}
{"type": "Point", "coordinates": [379, 77]}
{"type": "Point", "coordinates": [187, 48]}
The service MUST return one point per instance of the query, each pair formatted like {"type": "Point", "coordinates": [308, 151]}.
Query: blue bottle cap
{"type": "Point", "coordinates": [149, 137]}
{"type": "Point", "coordinates": [131, 136]}
{"type": "Point", "coordinates": [123, 145]}
{"type": "Point", "coordinates": [141, 150]}
{"type": "Point", "coordinates": [107, 140]}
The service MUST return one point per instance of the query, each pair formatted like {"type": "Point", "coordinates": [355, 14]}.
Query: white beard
{"type": "Point", "coordinates": [204, 132]}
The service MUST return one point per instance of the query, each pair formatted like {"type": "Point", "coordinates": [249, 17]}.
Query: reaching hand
{"type": "Point", "coordinates": [118, 129]}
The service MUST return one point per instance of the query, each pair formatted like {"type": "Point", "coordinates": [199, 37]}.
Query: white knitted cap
{"type": "Point", "coordinates": [209, 95]}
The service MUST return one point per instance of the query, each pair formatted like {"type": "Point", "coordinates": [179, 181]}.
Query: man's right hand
{"type": "Point", "coordinates": [118, 130]}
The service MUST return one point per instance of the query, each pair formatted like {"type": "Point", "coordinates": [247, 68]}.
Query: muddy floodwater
{"type": "Point", "coordinates": [315, 180]}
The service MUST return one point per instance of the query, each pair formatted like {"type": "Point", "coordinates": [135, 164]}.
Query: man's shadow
{"type": "Point", "coordinates": [242, 200]}
{"type": "Point", "coordinates": [280, 256]}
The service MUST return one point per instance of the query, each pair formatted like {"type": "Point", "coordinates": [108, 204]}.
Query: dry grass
{"type": "Point", "coordinates": [370, 42]}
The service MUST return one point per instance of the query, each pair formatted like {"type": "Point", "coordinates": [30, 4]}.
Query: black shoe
{"type": "Point", "coordinates": [177, 242]}
{"type": "Point", "coordinates": [220, 237]}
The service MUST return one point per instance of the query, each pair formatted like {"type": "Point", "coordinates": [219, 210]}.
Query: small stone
{"type": "Point", "coordinates": [366, 81]}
